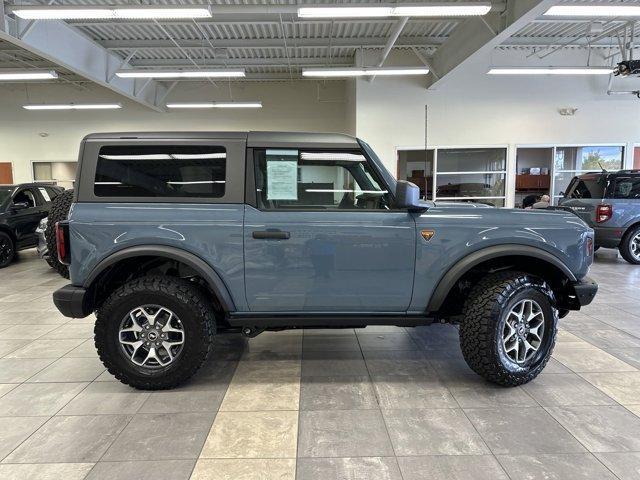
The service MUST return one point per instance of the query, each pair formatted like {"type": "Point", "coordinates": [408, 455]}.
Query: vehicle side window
{"type": "Point", "coordinates": [25, 196]}
{"type": "Point", "coordinates": [627, 187]}
{"type": "Point", "coordinates": [311, 180]}
{"type": "Point", "coordinates": [161, 171]}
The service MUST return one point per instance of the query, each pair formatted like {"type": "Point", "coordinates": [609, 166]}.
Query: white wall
{"type": "Point", "coordinates": [298, 106]}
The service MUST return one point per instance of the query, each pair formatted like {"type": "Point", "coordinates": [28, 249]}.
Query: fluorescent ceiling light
{"type": "Point", "coordinates": [460, 9]}
{"type": "Point", "coordinates": [550, 71]}
{"type": "Point", "coordinates": [215, 105]}
{"type": "Point", "coordinates": [361, 72]}
{"type": "Point", "coordinates": [116, 12]}
{"type": "Point", "coordinates": [450, 10]}
{"type": "Point", "coordinates": [74, 106]}
{"type": "Point", "coordinates": [132, 73]}
{"type": "Point", "coordinates": [594, 11]}
{"type": "Point", "coordinates": [8, 75]}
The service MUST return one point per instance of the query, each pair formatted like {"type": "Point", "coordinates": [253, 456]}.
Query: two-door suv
{"type": "Point", "coordinates": [176, 236]}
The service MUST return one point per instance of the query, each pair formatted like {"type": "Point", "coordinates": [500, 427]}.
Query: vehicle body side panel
{"type": "Point", "coordinates": [333, 261]}
{"type": "Point", "coordinates": [462, 231]}
{"type": "Point", "coordinates": [211, 232]}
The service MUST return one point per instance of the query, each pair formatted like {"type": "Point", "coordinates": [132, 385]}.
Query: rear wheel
{"type": "Point", "coordinates": [7, 250]}
{"type": "Point", "coordinates": [154, 332]}
{"type": "Point", "coordinates": [509, 329]}
{"type": "Point", "coordinates": [630, 246]}
{"type": "Point", "coordinates": [59, 211]}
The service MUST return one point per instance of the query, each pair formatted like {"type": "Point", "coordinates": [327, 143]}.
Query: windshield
{"type": "Point", "coordinates": [388, 178]}
{"type": "Point", "coordinates": [5, 192]}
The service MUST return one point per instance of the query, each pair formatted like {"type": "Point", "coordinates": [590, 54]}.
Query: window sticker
{"type": "Point", "coordinates": [282, 174]}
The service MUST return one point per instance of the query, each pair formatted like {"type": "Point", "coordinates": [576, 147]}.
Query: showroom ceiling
{"type": "Point", "coordinates": [271, 42]}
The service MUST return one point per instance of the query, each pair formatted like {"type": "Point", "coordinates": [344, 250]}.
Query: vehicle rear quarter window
{"type": "Point", "coordinates": [195, 171]}
{"type": "Point", "coordinates": [592, 187]}
{"type": "Point", "coordinates": [627, 187]}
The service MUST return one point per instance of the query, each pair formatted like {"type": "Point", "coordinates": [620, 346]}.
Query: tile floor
{"type": "Point", "coordinates": [379, 403]}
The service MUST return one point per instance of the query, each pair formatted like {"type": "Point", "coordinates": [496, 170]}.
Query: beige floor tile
{"type": "Point", "coordinates": [255, 395]}
{"type": "Point", "coordinates": [45, 471]}
{"type": "Point", "coordinates": [267, 369]}
{"type": "Point", "coordinates": [259, 435]}
{"type": "Point", "coordinates": [245, 469]}
{"type": "Point", "coordinates": [624, 387]}
{"type": "Point", "coordinates": [590, 359]}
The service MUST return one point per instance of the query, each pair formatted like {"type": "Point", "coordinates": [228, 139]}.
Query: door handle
{"type": "Point", "coordinates": [271, 235]}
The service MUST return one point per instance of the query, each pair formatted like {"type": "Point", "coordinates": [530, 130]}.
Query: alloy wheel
{"type": "Point", "coordinates": [635, 246]}
{"type": "Point", "coordinates": [6, 250]}
{"type": "Point", "coordinates": [151, 336]}
{"type": "Point", "coordinates": [523, 331]}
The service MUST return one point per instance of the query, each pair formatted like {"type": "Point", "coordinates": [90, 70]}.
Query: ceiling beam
{"type": "Point", "coordinates": [477, 36]}
{"type": "Point", "coordinates": [374, 42]}
{"type": "Point", "coordinates": [68, 48]}
{"type": "Point", "coordinates": [246, 62]}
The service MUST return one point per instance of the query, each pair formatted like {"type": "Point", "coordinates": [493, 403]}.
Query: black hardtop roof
{"type": "Point", "coordinates": [29, 184]}
{"type": "Point", "coordinates": [253, 139]}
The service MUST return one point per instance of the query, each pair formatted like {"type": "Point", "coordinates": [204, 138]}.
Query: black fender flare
{"type": "Point", "coordinates": [449, 279]}
{"type": "Point", "coordinates": [196, 263]}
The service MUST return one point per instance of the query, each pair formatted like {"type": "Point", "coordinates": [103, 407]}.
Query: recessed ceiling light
{"type": "Point", "coordinates": [607, 10]}
{"type": "Point", "coordinates": [131, 73]}
{"type": "Point", "coordinates": [215, 105]}
{"type": "Point", "coordinates": [442, 9]}
{"type": "Point", "coordinates": [54, 12]}
{"type": "Point", "coordinates": [8, 75]}
{"type": "Point", "coordinates": [550, 71]}
{"type": "Point", "coordinates": [362, 72]}
{"type": "Point", "coordinates": [73, 106]}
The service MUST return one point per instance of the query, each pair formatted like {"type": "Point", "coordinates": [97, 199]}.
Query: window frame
{"type": "Point", "coordinates": [250, 182]}
{"type": "Point", "coordinates": [234, 178]}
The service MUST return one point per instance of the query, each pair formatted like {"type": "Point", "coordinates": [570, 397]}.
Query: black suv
{"type": "Point", "coordinates": [610, 203]}
{"type": "Point", "coordinates": [21, 209]}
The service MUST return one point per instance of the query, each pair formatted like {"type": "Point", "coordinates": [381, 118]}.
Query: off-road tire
{"type": "Point", "coordinates": [625, 245]}
{"type": "Point", "coordinates": [482, 328]}
{"type": "Point", "coordinates": [59, 211]}
{"type": "Point", "coordinates": [180, 296]}
{"type": "Point", "coordinates": [7, 243]}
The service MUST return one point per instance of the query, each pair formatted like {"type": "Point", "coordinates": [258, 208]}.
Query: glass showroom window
{"type": "Point", "coordinates": [572, 161]}
{"type": "Point", "coordinates": [471, 174]}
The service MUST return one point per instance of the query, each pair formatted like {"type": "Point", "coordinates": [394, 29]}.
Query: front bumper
{"type": "Point", "coordinates": [72, 301]}
{"type": "Point", "coordinates": [582, 293]}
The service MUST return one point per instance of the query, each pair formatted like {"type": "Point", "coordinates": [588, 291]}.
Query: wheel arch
{"type": "Point", "coordinates": [208, 274]}
{"type": "Point", "coordinates": [497, 256]}
{"type": "Point", "coordinates": [6, 229]}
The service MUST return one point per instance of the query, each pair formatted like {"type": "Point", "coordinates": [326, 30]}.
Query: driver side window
{"type": "Point", "coordinates": [317, 180]}
{"type": "Point", "coordinates": [25, 196]}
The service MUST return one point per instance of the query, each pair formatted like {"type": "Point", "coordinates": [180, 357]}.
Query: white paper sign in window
{"type": "Point", "coordinates": [282, 174]}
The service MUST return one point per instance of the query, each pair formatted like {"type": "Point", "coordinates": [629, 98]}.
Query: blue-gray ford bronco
{"type": "Point", "coordinates": [174, 237]}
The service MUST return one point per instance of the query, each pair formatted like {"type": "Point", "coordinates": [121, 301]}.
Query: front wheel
{"type": "Point", "coordinates": [630, 246]}
{"type": "Point", "coordinates": [154, 332]}
{"type": "Point", "coordinates": [509, 329]}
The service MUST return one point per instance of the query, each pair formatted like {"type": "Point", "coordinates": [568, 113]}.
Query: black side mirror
{"type": "Point", "coordinates": [408, 196]}
{"type": "Point", "coordinates": [19, 206]}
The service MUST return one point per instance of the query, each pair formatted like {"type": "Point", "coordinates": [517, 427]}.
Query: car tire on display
{"type": "Point", "coordinates": [59, 211]}
{"type": "Point", "coordinates": [7, 250]}
{"type": "Point", "coordinates": [509, 328]}
{"type": "Point", "coordinates": [630, 246]}
{"type": "Point", "coordinates": [155, 332]}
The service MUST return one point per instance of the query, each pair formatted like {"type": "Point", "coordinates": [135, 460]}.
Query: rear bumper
{"type": "Point", "coordinates": [608, 237]}
{"type": "Point", "coordinates": [72, 301]}
{"type": "Point", "coordinates": [582, 294]}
